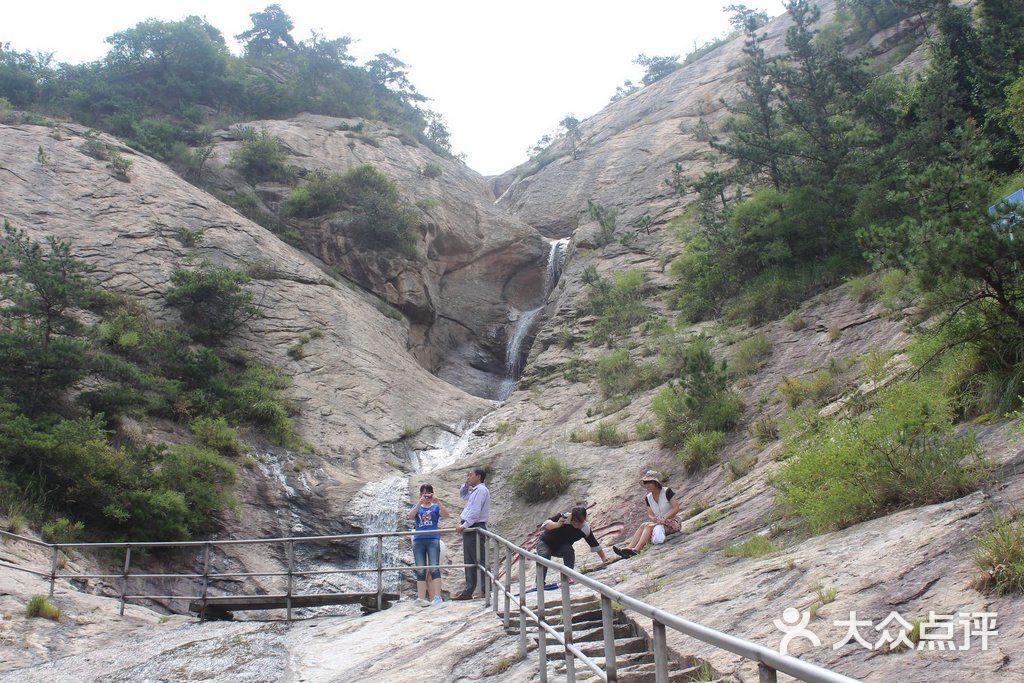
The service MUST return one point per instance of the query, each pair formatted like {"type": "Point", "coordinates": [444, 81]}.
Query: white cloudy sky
{"type": "Point", "coordinates": [501, 74]}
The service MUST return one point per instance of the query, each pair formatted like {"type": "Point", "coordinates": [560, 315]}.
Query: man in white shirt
{"type": "Point", "coordinates": [474, 515]}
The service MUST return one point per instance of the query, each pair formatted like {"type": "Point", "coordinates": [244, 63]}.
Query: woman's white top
{"type": "Point", "coordinates": [661, 507]}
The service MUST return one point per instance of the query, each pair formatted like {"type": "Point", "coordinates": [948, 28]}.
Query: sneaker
{"type": "Point", "coordinates": [628, 552]}
{"type": "Point", "coordinates": [619, 551]}
{"type": "Point", "coordinates": [436, 601]}
{"type": "Point", "coordinates": [464, 595]}
{"type": "Point", "coordinates": [421, 602]}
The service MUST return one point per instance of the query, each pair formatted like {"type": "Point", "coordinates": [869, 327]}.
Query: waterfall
{"type": "Point", "coordinates": [514, 347]}
{"type": "Point", "coordinates": [384, 501]}
{"type": "Point", "coordinates": [452, 448]}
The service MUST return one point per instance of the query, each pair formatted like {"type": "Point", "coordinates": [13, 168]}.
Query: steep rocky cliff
{"type": "Point", "coordinates": [476, 266]}
{"type": "Point", "coordinates": [364, 388]}
{"type": "Point", "coordinates": [370, 375]}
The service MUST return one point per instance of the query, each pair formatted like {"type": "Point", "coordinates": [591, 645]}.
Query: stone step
{"type": "Point", "coordinates": [585, 635]}
{"type": "Point", "coordinates": [644, 673]}
{"type": "Point", "coordinates": [531, 626]}
{"type": "Point", "coordinates": [555, 612]}
{"type": "Point", "coordinates": [620, 662]}
{"type": "Point", "coordinates": [623, 646]}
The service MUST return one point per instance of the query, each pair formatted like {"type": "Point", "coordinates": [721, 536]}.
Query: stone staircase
{"type": "Point", "coordinates": [634, 656]}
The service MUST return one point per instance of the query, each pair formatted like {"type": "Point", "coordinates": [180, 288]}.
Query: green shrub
{"type": "Point", "coordinates": [608, 434]}
{"type": "Point", "coordinates": [538, 477]}
{"type": "Point", "coordinates": [896, 289]}
{"type": "Point", "coordinates": [505, 429]}
{"type": "Point", "coordinates": [372, 211]}
{"type": "Point", "coordinates": [605, 219]}
{"type": "Point", "coordinates": [260, 157]}
{"type": "Point", "coordinates": [699, 402]}
{"type": "Point", "coordinates": [863, 289]}
{"type": "Point", "coordinates": [755, 546]}
{"type": "Point", "coordinates": [248, 204]}
{"type": "Point", "coordinates": [431, 170]}
{"type": "Point", "coordinates": [616, 373]}
{"type": "Point", "coordinates": [750, 355]}
{"type": "Point", "coordinates": [646, 430]}
{"type": "Point", "coordinates": [793, 322]}
{"type": "Point", "coordinates": [701, 451]}
{"type": "Point", "coordinates": [213, 300]}
{"type": "Point", "coordinates": [63, 530]}
{"type": "Point", "coordinates": [765, 429]}
{"type": "Point", "coordinates": [902, 451]}
{"type": "Point", "coordinates": [618, 305]}
{"type": "Point", "coordinates": [255, 396]}
{"type": "Point", "coordinates": [737, 468]}
{"type": "Point", "coordinates": [216, 433]}
{"type": "Point", "coordinates": [815, 389]}
{"type": "Point", "coordinates": [16, 523]}
{"type": "Point", "coordinates": [875, 363]}
{"type": "Point", "coordinates": [1000, 557]}
{"type": "Point", "coordinates": [40, 606]}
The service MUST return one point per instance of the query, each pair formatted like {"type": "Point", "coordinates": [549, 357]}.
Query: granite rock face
{"type": "Point", "coordinates": [474, 262]}
{"type": "Point", "coordinates": [630, 147]}
{"type": "Point", "coordinates": [365, 380]}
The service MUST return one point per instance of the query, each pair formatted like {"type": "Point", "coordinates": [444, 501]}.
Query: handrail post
{"type": "Point", "coordinates": [124, 576]}
{"type": "Point", "coordinates": [496, 563]}
{"type": "Point", "coordinates": [766, 674]}
{"type": "Point", "coordinates": [542, 642]}
{"type": "Point", "coordinates": [482, 559]}
{"type": "Point", "coordinates": [291, 568]}
{"type": "Point", "coordinates": [522, 603]}
{"type": "Point", "coordinates": [380, 573]}
{"type": "Point", "coordinates": [660, 654]}
{"type": "Point", "coordinates": [53, 567]}
{"type": "Point", "coordinates": [608, 629]}
{"type": "Point", "coordinates": [206, 581]}
{"type": "Point", "coordinates": [570, 658]}
{"type": "Point", "coordinates": [508, 585]}
{"type": "Point", "coordinates": [478, 567]}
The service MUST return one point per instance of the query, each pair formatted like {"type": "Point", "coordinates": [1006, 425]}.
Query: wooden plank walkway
{"type": "Point", "coordinates": [217, 605]}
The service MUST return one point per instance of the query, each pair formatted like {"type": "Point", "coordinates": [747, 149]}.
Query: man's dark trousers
{"type": "Point", "coordinates": [469, 555]}
{"type": "Point", "coordinates": [565, 552]}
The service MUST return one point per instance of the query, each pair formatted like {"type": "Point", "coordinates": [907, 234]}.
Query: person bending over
{"type": "Point", "coordinates": [662, 508]}
{"type": "Point", "coordinates": [561, 531]}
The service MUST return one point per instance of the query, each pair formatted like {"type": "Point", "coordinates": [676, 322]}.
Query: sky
{"type": "Point", "coordinates": [501, 75]}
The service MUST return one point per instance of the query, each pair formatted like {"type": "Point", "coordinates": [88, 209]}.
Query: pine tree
{"type": "Point", "coordinates": [753, 130]}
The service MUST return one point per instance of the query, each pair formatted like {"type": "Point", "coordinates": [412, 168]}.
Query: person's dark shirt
{"type": "Point", "coordinates": [567, 534]}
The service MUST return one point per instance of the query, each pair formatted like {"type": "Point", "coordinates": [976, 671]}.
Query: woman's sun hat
{"type": "Point", "coordinates": [652, 475]}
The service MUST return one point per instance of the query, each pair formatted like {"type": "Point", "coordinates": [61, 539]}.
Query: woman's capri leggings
{"type": "Point", "coordinates": [427, 552]}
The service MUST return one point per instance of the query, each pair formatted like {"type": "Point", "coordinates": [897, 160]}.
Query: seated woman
{"type": "Point", "coordinates": [662, 508]}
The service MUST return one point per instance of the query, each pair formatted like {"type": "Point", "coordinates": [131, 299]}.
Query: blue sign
{"type": "Point", "coordinates": [1012, 198]}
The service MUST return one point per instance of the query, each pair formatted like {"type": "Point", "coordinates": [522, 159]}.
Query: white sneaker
{"type": "Point", "coordinates": [421, 602]}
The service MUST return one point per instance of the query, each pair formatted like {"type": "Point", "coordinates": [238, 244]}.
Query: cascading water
{"type": "Point", "coordinates": [452, 448]}
{"type": "Point", "coordinates": [384, 501]}
{"type": "Point", "coordinates": [514, 348]}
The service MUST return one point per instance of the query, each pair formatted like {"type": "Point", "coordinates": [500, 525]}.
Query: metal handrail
{"type": "Point", "coordinates": [207, 575]}
{"type": "Point", "coordinates": [769, 660]}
